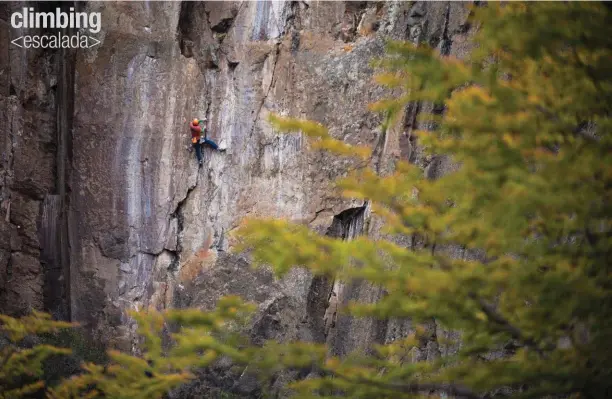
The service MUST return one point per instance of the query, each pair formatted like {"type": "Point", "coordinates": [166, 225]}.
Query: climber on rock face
{"type": "Point", "coordinates": [198, 138]}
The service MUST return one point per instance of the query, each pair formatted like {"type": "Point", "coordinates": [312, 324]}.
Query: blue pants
{"type": "Point", "coordinates": [211, 143]}
{"type": "Point", "coordinates": [198, 148]}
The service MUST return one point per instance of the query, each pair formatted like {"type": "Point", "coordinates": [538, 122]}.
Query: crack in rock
{"type": "Point", "coordinates": [317, 213]}
{"type": "Point", "coordinates": [272, 83]}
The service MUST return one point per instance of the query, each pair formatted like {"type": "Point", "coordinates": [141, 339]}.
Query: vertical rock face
{"type": "Point", "coordinates": [31, 189]}
{"type": "Point", "coordinates": [140, 208]}
{"type": "Point", "coordinates": [146, 227]}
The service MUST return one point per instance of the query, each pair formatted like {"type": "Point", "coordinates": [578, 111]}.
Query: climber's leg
{"type": "Point", "coordinates": [214, 145]}
{"type": "Point", "coordinates": [211, 143]}
{"type": "Point", "coordinates": [198, 151]}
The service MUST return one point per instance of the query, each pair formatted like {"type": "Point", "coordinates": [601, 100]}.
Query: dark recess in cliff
{"type": "Point", "coordinates": [186, 27]}
{"type": "Point", "coordinates": [195, 36]}
{"type": "Point", "coordinates": [345, 226]}
{"type": "Point", "coordinates": [56, 205]}
{"type": "Point", "coordinates": [224, 25]}
{"type": "Point", "coordinates": [65, 112]}
{"type": "Point", "coordinates": [38, 95]}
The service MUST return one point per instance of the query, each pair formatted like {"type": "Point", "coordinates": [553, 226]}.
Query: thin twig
{"type": "Point", "coordinates": [499, 320]}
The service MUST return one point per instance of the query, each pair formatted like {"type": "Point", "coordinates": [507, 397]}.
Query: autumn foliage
{"type": "Point", "coordinates": [21, 362]}
{"type": "Point", "coordinates": [528, 209]}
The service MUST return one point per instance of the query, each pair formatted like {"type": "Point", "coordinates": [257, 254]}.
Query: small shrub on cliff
{"type": "Point", "coordinates": [82, 348]}
{"type": "Point", "coordinates": [22, 356]}
{"type": "Point", "coordinates": [529, 209]}
{"type": "Point", "coordinates": [200, 339]}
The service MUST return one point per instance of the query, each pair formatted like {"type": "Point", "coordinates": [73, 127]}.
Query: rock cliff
{"type": "Point", "coordinates": [104, 208]}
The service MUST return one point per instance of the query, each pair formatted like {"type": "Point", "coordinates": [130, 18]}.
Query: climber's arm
{"type": "Point", "coordinates": [203, 128]}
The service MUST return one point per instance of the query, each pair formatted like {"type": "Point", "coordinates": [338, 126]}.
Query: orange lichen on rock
{"type": "Point", "coordinates": [196, 262]}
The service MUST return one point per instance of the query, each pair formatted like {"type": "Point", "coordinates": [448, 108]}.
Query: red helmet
{"type": "Point", "coordinates": [196, 122]}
